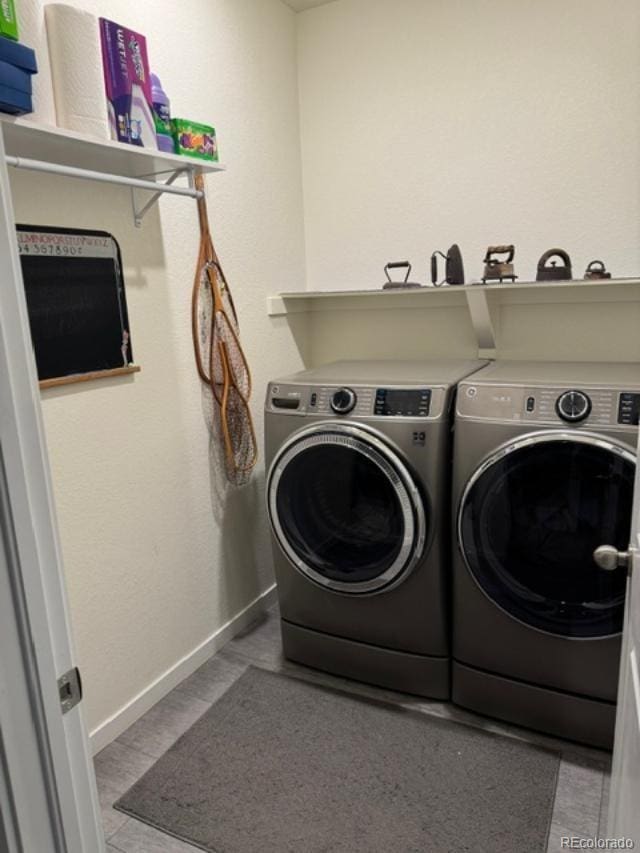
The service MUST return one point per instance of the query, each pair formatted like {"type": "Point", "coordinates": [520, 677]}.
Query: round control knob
{"type": "Point", "coordinates": [573, 406]}
{"type": "Point", "coordinates": [343, 401]}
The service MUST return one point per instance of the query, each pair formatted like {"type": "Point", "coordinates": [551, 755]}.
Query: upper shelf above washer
{"type": "Point", "coordinates": [485, 303]}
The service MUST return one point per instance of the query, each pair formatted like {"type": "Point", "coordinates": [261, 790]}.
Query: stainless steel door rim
{"type": "Point", "coordinates": [364, 442]}
{"type": "Point", "coordinates": [543, 437]}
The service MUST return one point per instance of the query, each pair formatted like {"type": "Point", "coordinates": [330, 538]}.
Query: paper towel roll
{"type": "Point", "coordinates": [76, 69]}
{"type": "Point", "coordinates": [33, 33]}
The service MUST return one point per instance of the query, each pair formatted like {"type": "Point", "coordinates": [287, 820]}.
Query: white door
{"type": "Point", "coordinates": [624, 804]}
{"type": "Point", "coordinates": [48, 798]}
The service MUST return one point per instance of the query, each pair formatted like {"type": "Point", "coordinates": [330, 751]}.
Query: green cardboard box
{"type": "Point", "coordinates": [194, 140]}
{"type": "Point", "coordinates": [8, 20]}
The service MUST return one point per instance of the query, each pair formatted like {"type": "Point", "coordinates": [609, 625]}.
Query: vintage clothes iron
{"type": "Point", "coordinates": [548, 269]}
{"type": "Point", "coordinates": [453, 269]}
{"type": "Point", "coordinates": [496, 269]}
{"type": "Point", "coordinates": [390, 284]}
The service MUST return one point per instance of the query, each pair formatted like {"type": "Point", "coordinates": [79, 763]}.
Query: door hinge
{"type": "Point", "coordinates": [70, 689]}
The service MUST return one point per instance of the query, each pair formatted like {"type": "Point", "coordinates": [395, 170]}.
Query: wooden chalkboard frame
{"type": "Point", "coordinates": [77, 304]}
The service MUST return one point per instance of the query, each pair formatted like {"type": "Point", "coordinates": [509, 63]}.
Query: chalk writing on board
{"type": "Point", "coordinates": [76, 300]}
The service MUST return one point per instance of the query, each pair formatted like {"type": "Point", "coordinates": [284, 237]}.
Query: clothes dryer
{"type": "Point", "coordinates": [358, 495]}
{"type": "Point", "coordinates": [544, 463]}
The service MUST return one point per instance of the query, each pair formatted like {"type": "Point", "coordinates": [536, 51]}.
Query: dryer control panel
{"type": "Point", "coordinates": [357, 401]}
{"type": "Point", "coordinates": [585, 406]}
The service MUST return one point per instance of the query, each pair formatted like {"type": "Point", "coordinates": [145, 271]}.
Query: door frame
{"type": "Point", "coordinates": [48, 794]}
{"type": "Point", "coordinates": [623, 819]}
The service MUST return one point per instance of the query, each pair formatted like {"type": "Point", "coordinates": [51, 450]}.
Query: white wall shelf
{"type": "Point", "coordinates": [483, 302]}
{"type": "Point", "coordinates": [61, 152]}
{"type": "Point", "coordinates": [303, 300]}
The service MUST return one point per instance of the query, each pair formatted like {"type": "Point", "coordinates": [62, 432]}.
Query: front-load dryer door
{"type": "Point", "coordinates": [530, 519]}
{"type": "Point", "coordinates": [345, 509]}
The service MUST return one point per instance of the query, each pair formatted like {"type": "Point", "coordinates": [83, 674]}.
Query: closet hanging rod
{"type": "Point", "coordinates": [103, 177]}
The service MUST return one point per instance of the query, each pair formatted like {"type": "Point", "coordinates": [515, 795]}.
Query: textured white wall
{"type": "Point", "coordinates": [157, 555]}
{"type": "Point", "coordinates": [428, 122]}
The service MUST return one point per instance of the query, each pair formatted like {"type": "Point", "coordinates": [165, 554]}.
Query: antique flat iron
{"type": "Point", "coordinates": [453, 268]}
{"type": "Point", "coordinates": [596, 269]}
{"type": "Point", "coordinates": [390, 284]}
{"type": "Point", "coordinates": [496, 269]}
{"type": "Point", "coordinates": [548, 268]}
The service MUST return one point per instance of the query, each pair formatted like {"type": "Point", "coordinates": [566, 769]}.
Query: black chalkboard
{"type": "Point", "coordinates": [76, 300]}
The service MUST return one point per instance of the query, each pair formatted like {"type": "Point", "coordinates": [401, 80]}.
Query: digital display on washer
{"type": "Point", "coordinates": [401, 402]}
{"type": "Point", "coordinates": [629, 409]}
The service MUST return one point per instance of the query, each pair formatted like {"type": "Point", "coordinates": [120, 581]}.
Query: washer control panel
{"type": "Point", "coordinates": [604, 407]}
{"type": "Point", "coordinates": [403, 402]}
{"type": "Point", "coordinates": [348, 401]}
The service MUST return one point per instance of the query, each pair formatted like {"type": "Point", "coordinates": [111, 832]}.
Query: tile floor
{"type": "Point", "coordinates": [581, 796]}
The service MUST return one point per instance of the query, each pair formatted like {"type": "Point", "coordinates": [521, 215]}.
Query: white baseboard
{"type": "Point", "coordinates": [109, 730]}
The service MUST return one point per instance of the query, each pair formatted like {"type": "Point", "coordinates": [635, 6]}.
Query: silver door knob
{"type": "Point", "coordinates": [609, 558]}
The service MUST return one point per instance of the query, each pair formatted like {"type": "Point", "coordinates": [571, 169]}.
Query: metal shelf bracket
{"type": "Point", "coordinates": [482, 323]}
{"type": "Point", "coordinates": [144, 182]}
{"type": "Point", "coordinates": [140, 212]}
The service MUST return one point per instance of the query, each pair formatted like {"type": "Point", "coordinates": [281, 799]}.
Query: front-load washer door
{"type": "Point", "coordinates": [530, 519]}
{"type": "Point", "coordinates": [345, 509]}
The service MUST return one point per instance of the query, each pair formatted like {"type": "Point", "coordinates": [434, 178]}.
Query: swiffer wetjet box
{"type": "Point", "coordinates": [128, 85]}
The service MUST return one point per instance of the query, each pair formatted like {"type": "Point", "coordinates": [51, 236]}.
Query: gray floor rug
{"type": "Point", "coordinates": [281, 766]}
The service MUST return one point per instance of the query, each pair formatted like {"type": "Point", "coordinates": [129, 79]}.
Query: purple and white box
{"type": "Point", "coordinates": [128, 85]}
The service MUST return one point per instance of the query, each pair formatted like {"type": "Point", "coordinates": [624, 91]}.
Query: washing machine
{"type": "Point", "coordinates": [358, 496]}
{"type": "Point", "coordinates": [544, 462]}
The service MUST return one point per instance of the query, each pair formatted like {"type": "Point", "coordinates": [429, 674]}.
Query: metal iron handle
{"type": "Point", "coordinates": [500, 250]}
{"type": "Point", "coordinates": [393, 265]}
{"type": "Point", "coordinates": [555, 253]}
{"type": "Point", "coordinates": [609, 558]}
{"type": "Point", "coordinates": [434, 268]}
